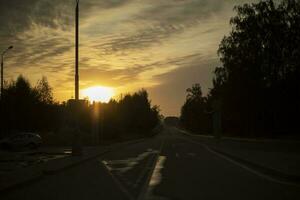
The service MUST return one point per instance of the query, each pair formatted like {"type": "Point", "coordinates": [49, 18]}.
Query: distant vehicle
{"type": "Point", "coordinates": [22, 140]}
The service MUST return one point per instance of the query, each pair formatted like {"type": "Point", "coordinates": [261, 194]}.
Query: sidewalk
{"type": "Point", "coordinates": [20, 176]}
{"type": "Point", "coordinates": [283, 157]}
{"type": "Point", "coordinates": [283, 166]}
{"type": "Point", "coordinates": [279, 159]}
{"type": "Point", "coordinates": [24, 175]}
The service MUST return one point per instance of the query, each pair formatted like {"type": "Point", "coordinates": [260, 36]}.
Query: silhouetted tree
{"type": "Point", "coordinates": [260, 57]}
{"type": "Point", "coordinates": [28, 108]}
{"type": "Point", "coordinates": [44, 91]}
{"type": "Point", "coordinates": [194, 93]}
{"type": "Point", "coordinates": [259, 80]}
{"type": "Point", "coordinates": [193, 112]}
{"type": "Point", "coordinates": [130, 116]}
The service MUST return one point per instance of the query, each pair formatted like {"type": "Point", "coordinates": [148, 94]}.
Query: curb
{"type": "Point", "coordinates": [54, 169]}
{"type": "Point", "coordinates": [235, 138]}
{"type": "Point", "coordinates": [46, 170]}
{"type": "Point", "coordinates": [37, 176]}
{"type": "Point", "coordinates": [276, 174]}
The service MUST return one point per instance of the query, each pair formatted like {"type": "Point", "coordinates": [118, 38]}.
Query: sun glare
{"type": "Point", "coordinates": [98, 93]}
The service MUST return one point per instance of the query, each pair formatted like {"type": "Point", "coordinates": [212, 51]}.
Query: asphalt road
{"type": "Point", "coordinates": [168, 166]}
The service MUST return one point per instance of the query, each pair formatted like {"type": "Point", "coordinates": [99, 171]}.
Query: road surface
{"type": "Point", "coordinates": [169, 166]}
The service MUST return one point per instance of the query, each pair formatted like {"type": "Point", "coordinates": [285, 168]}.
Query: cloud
{"type": "Point", "coordinates": [128, 44]}
{"type": "Point", "coordinates": [171, 92]}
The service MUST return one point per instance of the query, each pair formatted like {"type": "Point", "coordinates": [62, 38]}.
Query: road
{"type": "Point", "coordinates": [169, 166]}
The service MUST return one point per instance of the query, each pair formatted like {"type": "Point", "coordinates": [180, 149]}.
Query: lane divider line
{"type": "Point", "coordinates": [146, 169]}
{"type": "Point", "coordinates": [151, 167]}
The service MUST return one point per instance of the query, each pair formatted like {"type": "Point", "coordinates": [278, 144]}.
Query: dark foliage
{"type": "Point", "coordinates": [259, 81]}
{"type": "Point", "coordinates": [193, 113]}
{"type": "Point", "coordinates": [32, 109]}
{"type": "Point", "coordinates": [131, 116]}
{"type": "Point", "coordinates": [28, 108]}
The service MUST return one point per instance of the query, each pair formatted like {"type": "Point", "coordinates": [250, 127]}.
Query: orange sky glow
{"type": "Point", "coordinates": [163, 46]}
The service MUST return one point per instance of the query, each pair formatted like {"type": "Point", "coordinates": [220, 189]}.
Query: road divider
{"type": "Point", "coordinates": [145, 189]}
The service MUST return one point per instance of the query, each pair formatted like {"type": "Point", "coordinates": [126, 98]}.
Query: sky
{"type": "Point", "coordinates": [163, 46]}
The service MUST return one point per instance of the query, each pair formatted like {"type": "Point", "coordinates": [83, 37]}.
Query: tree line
{"type": "Point", "coordinates": [258, 83]}
{"type": "Point", "coordinates": [27, 108]}
{"type": "Point", "coordinates": [131, 116]}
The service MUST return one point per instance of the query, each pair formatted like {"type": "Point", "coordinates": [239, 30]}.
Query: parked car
{"type": "Point", "coordinates": [22, 140]}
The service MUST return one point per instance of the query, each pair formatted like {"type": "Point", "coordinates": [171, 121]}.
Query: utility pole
{"type": "Point", "coordinates": [76, 107]}
{"type": "Point", "coordinates": [76, 51]}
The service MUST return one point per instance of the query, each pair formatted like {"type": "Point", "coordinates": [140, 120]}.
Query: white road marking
{"type": "Point", "coordinates": [145, 189]}
{"type": "Point", "coordinates": [242, 165]}
{"type": "Point", "coordinates": [155, 180]}
{"type": "Point", "coordinates": [118, 183]}
{"type": "Point", "coordinates": [129, 163]}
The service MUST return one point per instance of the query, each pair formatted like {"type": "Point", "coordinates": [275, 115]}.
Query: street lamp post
{"type": "Point", "coordinates": [76, 108]}
{"type": "Point", "coordinates": [76, 51]}
{"type": "Point", "coordinates": [2, 65]}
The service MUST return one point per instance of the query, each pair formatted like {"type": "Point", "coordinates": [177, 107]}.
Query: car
{"type": "Point", "coordinates": [22, 140]}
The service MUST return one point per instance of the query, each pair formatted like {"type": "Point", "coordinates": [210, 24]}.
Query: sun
{"type": "Point", "coordinates": [98, 93]}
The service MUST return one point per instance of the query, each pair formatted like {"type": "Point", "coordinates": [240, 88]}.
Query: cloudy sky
{"type": "Point", "coordinates": [163, 46]}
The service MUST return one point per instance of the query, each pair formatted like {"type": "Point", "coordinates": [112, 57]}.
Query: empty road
{"type": "Point", "coordinates": [168, 166]}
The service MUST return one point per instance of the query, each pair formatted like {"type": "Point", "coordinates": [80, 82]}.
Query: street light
{"type": "Point", "coordinates": [76, 51]}
{"type": "Point", "coordinates": [2, 64]}
{"type": "Point", "coordinates": [76, 147]}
